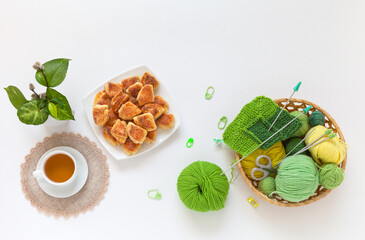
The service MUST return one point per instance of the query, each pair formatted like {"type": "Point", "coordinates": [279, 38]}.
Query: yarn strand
{"type": "Point", "coordinates": [232, 170]}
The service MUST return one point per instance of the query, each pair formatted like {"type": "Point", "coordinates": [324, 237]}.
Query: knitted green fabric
{"type": "Point", "coordinates": [249, 129]}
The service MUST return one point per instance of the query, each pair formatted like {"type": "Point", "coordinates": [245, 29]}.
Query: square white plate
{"type": "Point", "coordinates": [162, 134]}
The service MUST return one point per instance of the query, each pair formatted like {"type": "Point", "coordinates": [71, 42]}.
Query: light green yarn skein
{"type": "Point", "coordinates": [202, 188]}
{"type": "Point", "coordinates": [316, 118]}
{"type": "Point", "coordinates": [331, 176]}
{"type": "Point", "coordinates": [267, 185]}
{"type": "Point", "coordinates": [297, 178]}
{"type": "Point", "coordinates": [305, 124]}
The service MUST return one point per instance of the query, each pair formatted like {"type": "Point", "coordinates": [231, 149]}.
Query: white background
{"type": "Point", "coordinates": [243, 49]}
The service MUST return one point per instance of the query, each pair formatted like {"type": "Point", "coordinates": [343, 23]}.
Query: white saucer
{"type": "Point", "coordinates": [66, 191]}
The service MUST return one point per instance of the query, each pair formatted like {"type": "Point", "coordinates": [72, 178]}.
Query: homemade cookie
{"type": "Point", "coordinates": [126, 83]}
{"type": "Point", "coordinates": [160, 101]}
{"type": "Point", "coordinates": [109, 137]}
{"type": "Point", "coordinates": [166, 121]}
{"type": "Point", "coordinates": [119, 131]}
{"type": "Point", "coordinates": [151, 137]}
{"type": "Point", "coordinates": [113, 117]}
{"type": "Point", "coordinates": [130, 147]}
{"type": "Point", "coordinates": [112, 89]}
{"type": "Point", "coordinates": [100, 114]}
{"type": "Point", "coordinates": [148, 78]}
{"type": "Point", "coordinates": [101, 98]}
{"type": "Point", "coordinates": [134, 89]}
{"type": "Point", "coordinates": [146, 95]}
{"type": "Point", "coordinates": [136, 133]}
{"type": "Point", "coordinates": [118, 100]}
{"type": "Point", "coordinates": [128, 110]}
{"type": "Point", "coordinates": [155, 109]}
{"type": "Point", "coordinates": [145, 121]}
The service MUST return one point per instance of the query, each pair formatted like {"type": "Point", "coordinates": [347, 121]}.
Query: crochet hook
{"type": "Point", "coordinates": [304, 111]}
{"type": "Point", "coordinates": [296, 88]}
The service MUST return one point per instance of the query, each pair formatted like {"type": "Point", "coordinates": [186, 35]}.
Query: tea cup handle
{"type": "Point", "coordinates": [37, 173]}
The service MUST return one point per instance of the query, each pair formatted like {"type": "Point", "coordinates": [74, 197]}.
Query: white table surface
{"type": "Point", "coordinates": [243, 49]}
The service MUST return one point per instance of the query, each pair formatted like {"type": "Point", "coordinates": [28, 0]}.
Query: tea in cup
{"type": "Point", "coordinates": [58, 168]}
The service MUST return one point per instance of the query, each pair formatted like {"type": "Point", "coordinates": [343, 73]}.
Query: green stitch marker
{"type": "Point", "coordinates": [157, 196]}
{"type": "Point", "coordinates": [224, 121]}
{"type": "Point", "coordinates": [209, 93]}
{"type": "Point", "coordinates": [295, 89]}
{"type": "Point", "coordinates": [190, 143]}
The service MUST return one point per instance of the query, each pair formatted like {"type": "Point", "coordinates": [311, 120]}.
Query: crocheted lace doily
{"type": "Point", "coordinates": [87, 198]}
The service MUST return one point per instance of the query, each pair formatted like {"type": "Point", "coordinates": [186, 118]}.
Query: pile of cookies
{"type": "Point", "coordinates": [130, 113]}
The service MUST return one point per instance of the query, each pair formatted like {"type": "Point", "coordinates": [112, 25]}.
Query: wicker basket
{"type": "Point", "coordinates": [296, 105]}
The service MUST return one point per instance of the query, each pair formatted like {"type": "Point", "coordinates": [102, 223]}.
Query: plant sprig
{"type": "Point", "coordinates": [36, 111]}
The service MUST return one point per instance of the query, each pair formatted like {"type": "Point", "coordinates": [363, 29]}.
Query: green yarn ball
{"type": "Point", "coordinates": [331, 176]}
{"type": "Point", "coordinates": [297, 178]}
{"type": "Point", "coordinates": [202, 188]}
{"type": "Point", "coordinates": [291, 143]}
{"type": "Point", "coordinates": [316, 118]}
{"type": "Point", "coordinates": [267, 185]}
{"type": "Point", "coordinates": [305, 124]}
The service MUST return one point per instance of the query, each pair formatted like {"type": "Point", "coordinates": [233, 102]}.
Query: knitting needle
{"type": "Point", "coordinates": [327, 132]}
{"type": "Point", "coordinates": [331, 135]}
{"type": "Point", "coordinates": [296, 88]}
{"type": "Point", "coordinates": [299, 143]}
{"type": "Point", "coordinates": [304, 111]}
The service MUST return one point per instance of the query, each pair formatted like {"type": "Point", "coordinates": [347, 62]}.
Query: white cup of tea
{"type": "Point", "coordinates": [58, 168]}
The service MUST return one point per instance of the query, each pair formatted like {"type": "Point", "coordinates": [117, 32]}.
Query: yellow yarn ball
{"type": "Point", "coordinates": [276, 153]}
{"type": "Point", "coordinates": [332, 150]}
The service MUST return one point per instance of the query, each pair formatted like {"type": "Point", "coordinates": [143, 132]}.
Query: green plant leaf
{"type": "Point", "coordinates": [64, 111]}
{"type": "Point", "coordinates": [55, 71]}
{"type": "Point", "coordinates": [52, 108]}
{"type": "Point", "coordinates": [33, 112]}
{"type": "Point", "coordinates": [57, 101]}
{"type": "Point", "coordinates": [16, 97]}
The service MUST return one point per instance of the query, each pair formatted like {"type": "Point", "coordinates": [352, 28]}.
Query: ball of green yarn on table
{"type": "Point", "coordinates": [305, 124]}
{"type": "Point", "coordinates": [291, 143]}
{"type": "Point", "coordinates": [267, 185]}
{"type": "Point", "coordinates": [331, 176]}
{"type": "Point", "coordinates": [202, 188]}
{"type": "Point", "coordinates": [297, 178]}
{"type": "Point", "coordinates": [316, 118]}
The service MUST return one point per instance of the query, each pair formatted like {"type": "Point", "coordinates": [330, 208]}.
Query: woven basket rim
{"type": "Point", "coordinates": [310, 200]}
